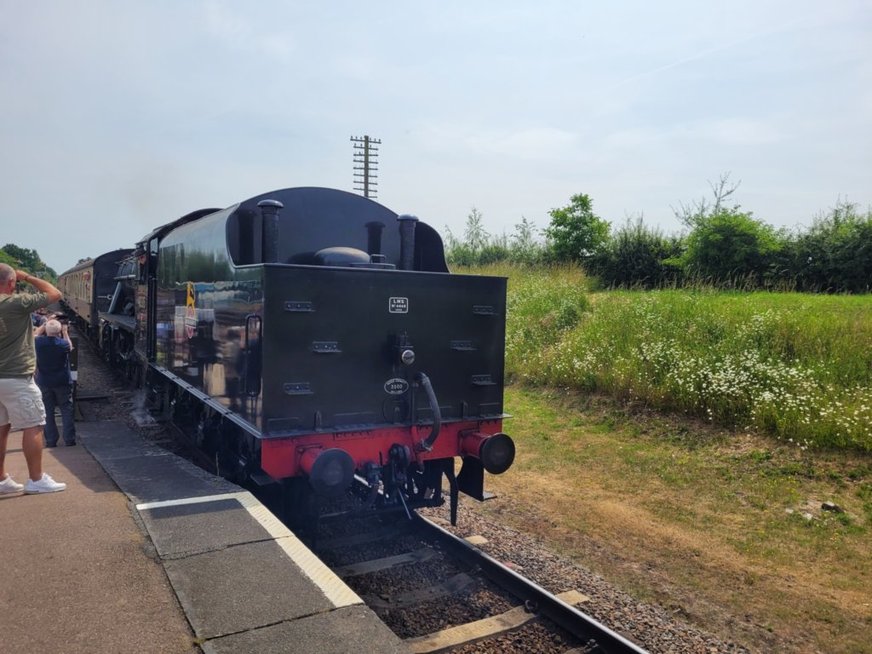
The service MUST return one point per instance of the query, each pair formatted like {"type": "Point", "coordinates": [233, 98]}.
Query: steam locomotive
{"type": "Point", "coordinates": [311, 340]}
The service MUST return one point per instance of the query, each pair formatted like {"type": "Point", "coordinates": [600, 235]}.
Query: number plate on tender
{"type": "Point", "coordinates": [396, 386]}
{"type": "Point", "coordinates": [398, 305]}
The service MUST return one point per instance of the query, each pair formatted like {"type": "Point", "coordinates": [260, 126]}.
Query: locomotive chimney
{"type": "Point", "coordinates": [374, 237]}
{"type": "Point", "coordinates": [269, 210]}
{"type": "Point", "coordinates": [407, 241]}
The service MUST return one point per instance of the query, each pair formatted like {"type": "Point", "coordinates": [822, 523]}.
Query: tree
{"type": "Point", "coordinates": [731, 245]}
{"type": "Point", "coordinates": [476, 241]}
{"type": "Point", "coordinates": [523, 247]}
{"type": "Point", "coordinates": [8, 259]}
{"type": "Point", "coordinates": [576, 232]}
{"type": "Point", "coordinates": [524, 236]}
{"type": "Point", "coordinates": [698, 211]}
{"type": "Point", "coordinates": [725, 244]}
{"type": "Point", "coordinates": [475, 236]}
{"type": "Point", "coordinates": [29, 260]}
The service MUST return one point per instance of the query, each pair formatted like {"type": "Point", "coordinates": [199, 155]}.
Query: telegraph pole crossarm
{"type": "Point", "coordinates": [366, 154]}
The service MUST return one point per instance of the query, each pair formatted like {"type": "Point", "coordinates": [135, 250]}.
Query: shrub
{"type": "Point", "coordinates": [637, 256]}
{"type": "Point", "coordinates": [835, 254]}
{"type": "Point", "coordinates": [479, 248]}
{"type": "Point", "coordinates": [729, 246]}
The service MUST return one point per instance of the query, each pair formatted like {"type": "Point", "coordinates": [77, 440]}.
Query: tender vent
{"type": "Point", "coordinates": [297, 388]}
{"type": "Point", "coordinates": [297, 306]}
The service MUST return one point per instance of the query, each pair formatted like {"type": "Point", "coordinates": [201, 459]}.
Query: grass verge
{"type": "Point", "coordinates": [795, 366]}
{"type": "Point", "coordinates": [725, 528]}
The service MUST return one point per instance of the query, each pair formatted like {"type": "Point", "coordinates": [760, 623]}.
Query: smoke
{"type": "Point", "coordinates": [139, 412]}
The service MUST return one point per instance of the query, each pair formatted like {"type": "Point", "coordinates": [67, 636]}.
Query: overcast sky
{"type": "Point", "coordinates": [118, 116]}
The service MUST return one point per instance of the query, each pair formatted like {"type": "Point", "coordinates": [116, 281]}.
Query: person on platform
{"type": "Point", "coordinates": [38, 317]}
{"type": "Point", "coordinates": [20, 399]}
{"type": "Point", "coordinates": [53, 347]}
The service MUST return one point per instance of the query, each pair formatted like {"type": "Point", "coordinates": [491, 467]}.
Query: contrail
{"type": "Point", "coordinates": [704, 53]}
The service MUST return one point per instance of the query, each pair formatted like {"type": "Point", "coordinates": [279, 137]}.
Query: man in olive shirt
{"type": "Point", "coordinates": [20, 399]}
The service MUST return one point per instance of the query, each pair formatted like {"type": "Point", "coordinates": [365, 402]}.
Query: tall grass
{"type": "Point", "coordinates": [542, 305]}
{"type": "Point", "coordinates": [796, 366]}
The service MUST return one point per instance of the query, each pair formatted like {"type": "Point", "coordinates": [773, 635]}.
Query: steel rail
{"type": "Point", "coordinates": [536, 598]}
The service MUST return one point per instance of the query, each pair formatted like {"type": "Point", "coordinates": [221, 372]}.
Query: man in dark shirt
{"type": "Point", "coordinates": [53, 347]}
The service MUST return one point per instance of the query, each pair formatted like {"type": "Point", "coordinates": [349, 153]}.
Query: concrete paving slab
{"type": "Point", "coordinates": [243, 587]}
{"type": "Point", "coordinates": [115, 440]}
{"type": "Point", "coordinates": [156, 478]}
{"type": "Point", "coordinates": [202, 527]}
{"type": "Point", "coordinates": [145, 471]}
{"type": "Point", "coordinates": [237, 572]}
{"type": "Point", "coordinates": [330, 633]}
{"type": "Point", "coordinates": [125, 447]}
{"type": "Point", "coordinates": [78, 574]}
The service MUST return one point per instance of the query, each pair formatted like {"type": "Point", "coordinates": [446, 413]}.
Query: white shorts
{"type": "Point", "coordinates": [21, 403]}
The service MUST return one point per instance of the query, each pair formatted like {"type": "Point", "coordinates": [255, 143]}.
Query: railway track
{"type": "Point", "coordinates": [441, 593]}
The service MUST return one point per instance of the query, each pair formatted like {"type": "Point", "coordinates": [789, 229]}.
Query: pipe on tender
{"type": "Point", "coordinates": [374, 231]}
{"type": "Point", "coordinates": [269, 210]}
{"type": "Point", "coordinates": [407, 241]}
{"type": "Point", "coordinates": [427, 444]}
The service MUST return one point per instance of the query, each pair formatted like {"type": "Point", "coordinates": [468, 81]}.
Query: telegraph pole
{"type": "Point", "coordinates": [366, 158]}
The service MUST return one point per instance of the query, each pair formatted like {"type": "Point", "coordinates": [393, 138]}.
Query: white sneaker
{"type": "Point", "coordinates": [9, 486]}
{"type": "Point", "coordinates": [44, 485]}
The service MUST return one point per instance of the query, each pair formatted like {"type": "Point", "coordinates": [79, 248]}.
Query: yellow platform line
{"type": "Point", "coordinates": [325, 579]}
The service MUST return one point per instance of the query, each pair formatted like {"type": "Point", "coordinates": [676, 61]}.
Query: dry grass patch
{"type": "Point", "coordinates": [708, 523]}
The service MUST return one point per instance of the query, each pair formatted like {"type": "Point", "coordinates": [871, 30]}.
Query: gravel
{"type": "Point", "coordinates": [651, 627]}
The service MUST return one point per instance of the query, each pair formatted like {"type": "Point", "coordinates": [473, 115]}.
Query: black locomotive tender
{"type": "Point", "coordinates": [310, 338]}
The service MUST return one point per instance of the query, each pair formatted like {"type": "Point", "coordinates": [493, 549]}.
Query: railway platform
{"type": "Point", "coordinates": [145, 552]}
